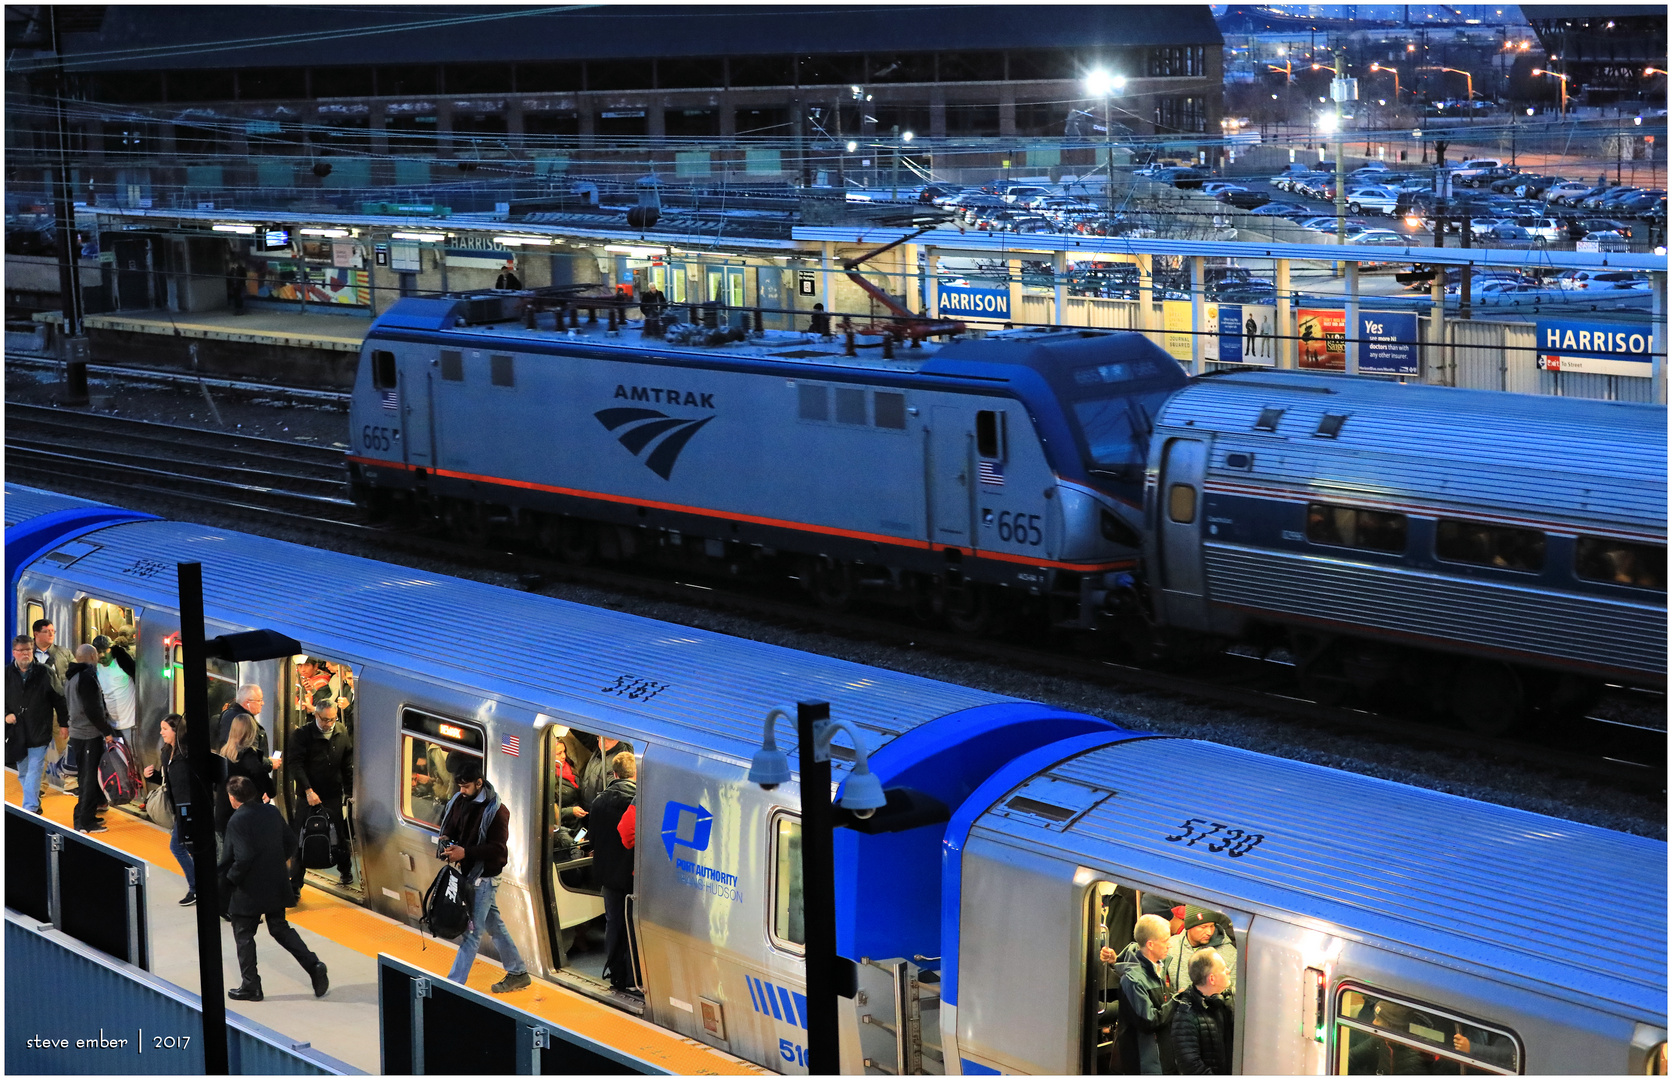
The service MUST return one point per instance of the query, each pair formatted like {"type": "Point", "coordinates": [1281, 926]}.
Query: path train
{"type": "Point", "coordinates": [1498, 556]}
{"type": "Point", "coordinates": [1537, 943]}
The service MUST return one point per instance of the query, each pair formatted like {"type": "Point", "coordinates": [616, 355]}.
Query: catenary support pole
{"type": "Point", "coordinates": [200, 816]}
{"type": "Point", "coordinates": [818, 890]}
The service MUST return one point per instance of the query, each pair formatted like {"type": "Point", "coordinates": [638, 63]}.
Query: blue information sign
{"type": "Point", "coordinates": [1602, 348]}
{"type": "Point", "coordinates": [1387, 343]}
{"type": "Point", "coordinates": [974, 302]}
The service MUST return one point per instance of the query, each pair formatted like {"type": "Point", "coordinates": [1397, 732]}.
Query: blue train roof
{"type": "Point", "coordinates": [1589, 462]}
{"type": "Point", "coordinates": [1488, 886]}
{"type": "Point", "coordinates": [24, 503]}
{"type": "Point", "coordinates": [38, 521]}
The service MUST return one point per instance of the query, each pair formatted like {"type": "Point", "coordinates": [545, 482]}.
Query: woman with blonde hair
{"type": "Point", "coordinates": [239, 757]}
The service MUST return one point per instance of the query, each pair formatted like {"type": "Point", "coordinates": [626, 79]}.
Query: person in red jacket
{"type": "Point", "coordinates": [478, 826]}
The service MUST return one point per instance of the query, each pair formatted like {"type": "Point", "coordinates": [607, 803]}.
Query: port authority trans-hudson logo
{"type": "Point", "coordinates": [644, 427]}
{"type": "Point", "coordinates": [691, 827]}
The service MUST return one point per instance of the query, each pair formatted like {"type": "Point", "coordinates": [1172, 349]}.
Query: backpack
{"type": "Point", "coordinates": [448, 904]}
{"type": "Point", "coordinates": [119, 775]}
{"type": "Point", "coordinates": [319, 839]}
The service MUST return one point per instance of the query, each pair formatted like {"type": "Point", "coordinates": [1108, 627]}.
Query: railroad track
{"type": "Point", "coordinates": [267, 483]}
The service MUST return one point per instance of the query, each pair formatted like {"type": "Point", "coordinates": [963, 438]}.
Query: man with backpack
{"type": "Point", "coordinates": [475, 827]}
{"type": "Point", "coordinates": [32, 706]}
{"type": "Point", "coordinates": [322, 767]}
{"type": "Point", "coordinates": [90, 733]}
{"type": "Point", "coordinates": [1146, 1006]}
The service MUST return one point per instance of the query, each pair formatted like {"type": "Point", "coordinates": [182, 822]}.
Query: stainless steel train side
{"type": "Point", "coordinates": [1542, 941]}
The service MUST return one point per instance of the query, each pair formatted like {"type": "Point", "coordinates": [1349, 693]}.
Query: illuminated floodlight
{"type": "Point", "coordinates": [428, 237]}
{"type": "Point", "coordinates": [230, 227]}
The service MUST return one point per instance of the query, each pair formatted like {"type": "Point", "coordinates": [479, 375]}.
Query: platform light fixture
{"type": "Point", "coordinates": [635, 252]}
{"type": "Point", "coordinates": [232, 227]}
{"type": "Point", "coordinates": [523, 241]}
{"type": "Point", "coordinates": [335, 234]}
{"type": "Point", "coordinates": [427, 237]}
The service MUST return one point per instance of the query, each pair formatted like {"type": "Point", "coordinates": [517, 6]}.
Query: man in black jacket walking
{"type": "Point", "coordinates": [31, 707]}
{"type": "Point", "coordinates": [321, 766]}
{"type": "Point", "coordinates": [258, 844]}
{"type": "Point", "coordinates": [614, 862]}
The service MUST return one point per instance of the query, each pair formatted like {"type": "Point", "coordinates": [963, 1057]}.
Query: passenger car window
{"type": "Point", "coordinates": [787, 930]}
{"type": "Point", "coordinates": [1489, 545]}
{"type": "Point", "coordinates": [1620, 562]}
{"type": "Point", "coordinates": [1181, 503]}
{"type": "Point", "coordinates": [1349, 526]}
{"type": "Point", "coordinates": [1379, 1035]}
{"type": "Point", "coordinates": [426, 780]}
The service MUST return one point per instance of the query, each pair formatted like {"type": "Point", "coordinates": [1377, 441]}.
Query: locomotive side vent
{"type": "Point", "coordinates": [1330, 426]}
{"type": "Point", "coordinates": [1268, 419]}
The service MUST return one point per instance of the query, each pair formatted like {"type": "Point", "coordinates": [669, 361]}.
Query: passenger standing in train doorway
{"type": "Point", "coordinates": [1203, 929]}
{"type": "Point", "coordinates": [477, 827]}
{"type": "Point", "coordinates": [1146, 1008]}
{"type": "Point", "coordinates": [610, 826]}
{"type": "Point", "coordinates": [116, 680]}
{"type": "Point", "coordinates": [322, 768]}
{"type": "Point", "coordinates": [1203, 1018]}
{"type": "Point", "coordinates": [595, 774]}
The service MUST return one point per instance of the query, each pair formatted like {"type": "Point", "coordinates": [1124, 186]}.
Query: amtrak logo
{"type": "Point", "coordinates": [644, 427]}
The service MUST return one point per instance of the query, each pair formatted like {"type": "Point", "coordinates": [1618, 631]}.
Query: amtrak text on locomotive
{"type": "Point", "coordinates": [664, 396]}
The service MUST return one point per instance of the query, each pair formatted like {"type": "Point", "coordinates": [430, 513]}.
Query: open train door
{"type": "Point", "coordinates": [313, 681]}
{"type": "Point", "coordinates": [1179, 531]}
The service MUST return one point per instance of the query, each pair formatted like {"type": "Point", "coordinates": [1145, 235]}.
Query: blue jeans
{"type": "Point", "coordinates": [182, 855]}
{"type": "Point", "coordinates": [485, 915]}
{"type": "Point", "coordinates": [34, 765]}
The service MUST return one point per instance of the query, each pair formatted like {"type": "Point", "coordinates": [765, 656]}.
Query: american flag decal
{"type": "Point", "coordinates": [990, 472]}
{"type": "Point", "coordinates": [511, 745]}
{"type": "Point", "coordinates": [391, 400]}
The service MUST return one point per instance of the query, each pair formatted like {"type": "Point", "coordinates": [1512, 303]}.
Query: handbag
{"type": "Point", "coordinates": [159, 807]}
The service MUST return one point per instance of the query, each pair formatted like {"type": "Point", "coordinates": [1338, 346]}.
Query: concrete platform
{"type": "Point", "coordinates": [348, 938]}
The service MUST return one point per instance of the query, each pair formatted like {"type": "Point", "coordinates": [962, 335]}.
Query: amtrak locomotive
{"type": "Point", "coordinates": [1495, 555]}
{"type": "Point", "coordinates": [1371, 920]}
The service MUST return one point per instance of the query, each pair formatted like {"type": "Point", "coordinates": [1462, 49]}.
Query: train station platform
{"type": "Point", "coordinates": [348, 938]}
{"type": "Point", "coordinates": [318, 351]}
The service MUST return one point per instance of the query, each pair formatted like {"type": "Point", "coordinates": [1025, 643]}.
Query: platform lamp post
{"type": "Point", "coordinates": [1102, 84]}
{"type": "Point", "coordinates": [1564, 81]}
{"type": "Point", "coordinates": [197, 813]}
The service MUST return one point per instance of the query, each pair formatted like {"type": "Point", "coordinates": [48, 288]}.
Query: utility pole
{"type": "Point", "coordinates": [1340, 93]}
{"type": "Point", "coordinates": [72, 344]}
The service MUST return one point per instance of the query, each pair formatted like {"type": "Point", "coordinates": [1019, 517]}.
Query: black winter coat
{"type": "Point", "coordinates": [1201, 1033]}
{"type": "Point", "coordinates": [175, 775]}
{"type": "Point", "coordinates": [462, 823]}
{"type": "Point", "coordinates": [35, 702]}
{"type": "Point", "coordinates": [251, 764]}
{"type": "Point", "coordinates": [223, 729]}
{"type": "Point", "coordinates": [612, 858]}
{"type": "Point", "coordinates": [259, 846]}
{"type": "Point", "coordinates": [323, 763]}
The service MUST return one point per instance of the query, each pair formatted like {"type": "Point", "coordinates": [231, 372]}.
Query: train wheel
{"type": "Point", "coordinates": [832, 584]}
{"type": "Point", "coordinates": [1488, 698]}
{"type": "Point", "coordinates": [969, 609]}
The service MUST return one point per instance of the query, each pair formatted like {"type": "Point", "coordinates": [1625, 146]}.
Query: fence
{"type": "Point", "coordinates": [429, 1025]}
{"type": "Point", "coordinates": [88, 890]}
{"type": "Point", "coordinates": [73, 1010]}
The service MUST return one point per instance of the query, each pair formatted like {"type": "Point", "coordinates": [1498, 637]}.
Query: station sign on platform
{"type": "Point", "coordinates": [1595, 347]}
{"type": "Point", "coordinates": [966, 301]}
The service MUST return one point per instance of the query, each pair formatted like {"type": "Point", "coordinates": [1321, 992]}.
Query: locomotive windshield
{"type": "Point", "coordinates": [1113, 408]}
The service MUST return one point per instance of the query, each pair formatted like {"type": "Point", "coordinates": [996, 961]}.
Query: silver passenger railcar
{"type": "Point", "coordinates": [975, 939]}
{"type": "Point", "coordinates": [1491, 552]}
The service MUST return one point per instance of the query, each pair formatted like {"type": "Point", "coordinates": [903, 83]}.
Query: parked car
{"type": "Point", "coordinates": [1507, 234]}
{"type": "Point", "coordinates": [1547, 229]}
{"type": "Point", "coordinates": [1217, 187]}
{"type": "Point", "coordinates": [1481, 177]}
{"type": "Point", "coordinates": [1282, 209]}
{"type": "Point", "coordinates": [1599, 279]}
{"type": "Point", "coordinates": [1559, 194]}
{"type": "Point", "coordinates": [1378, 200]}
{"type": "Point", "coordinates": [1607, 240]}
{"type": "Point", "coordinates": [1578, 227]}
{"type": "Point", "coordinates": [1020, 193]}
{"type": "Point", "coordinates": [1533, 186]}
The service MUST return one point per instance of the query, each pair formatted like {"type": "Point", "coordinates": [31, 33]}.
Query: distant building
{"type": "Point", "coordinates": [1605, 50]}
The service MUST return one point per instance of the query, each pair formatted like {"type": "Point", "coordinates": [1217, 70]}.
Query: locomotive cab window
{"type": "Point", "coordinates": [989, 434]}
{"type": "Point", "coordinates": [426, 778]}
{"type": "Point", "coordinates": [786, 927]}
{"type": "Point", "coordinates": [1376, 1035]}
{"type": "Point", "coordinates": [1620, 562]}
{"type": "Point", "coordinates": [1489, 545]}
{"type": "Point", "coordinates": [383, 370]}
{"type": "Point", "coordinates": [1353, 527]}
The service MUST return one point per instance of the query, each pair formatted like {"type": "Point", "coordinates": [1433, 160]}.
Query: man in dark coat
{"type": "Point", "coordinates": [31, 707]}
{"type": "Point", "coordinates": [478, 827]}
{"type": "Point", "coordinates": [1145, 1006]}
{"type": "Point", "coordinates": [321, 766]}
{"type": "Point", "coordinates": [90, 733]}
{"type": "Point", "coordinates": [258, 844]}
{"type": "Point", "coordinates": [595, 774]}
{"type": "Point", "coordinates": [249, 701]}
{"type": "Point", "coordinates": [613, 860]}
{"type": "Point", "coordinates": [1202, 1018]}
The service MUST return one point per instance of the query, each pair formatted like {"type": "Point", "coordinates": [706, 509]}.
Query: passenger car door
{"type": "Point", "coordinates": [1180, 516]}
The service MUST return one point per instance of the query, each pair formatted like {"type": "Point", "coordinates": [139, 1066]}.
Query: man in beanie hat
{"type": "Point", "coordinates": [1204, 928]}
{"type": "Point", "coordinates": [478, 826]}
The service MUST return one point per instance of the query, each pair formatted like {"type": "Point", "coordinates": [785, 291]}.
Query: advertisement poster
{"type": "Point", "coordinates": [1600, 348]}
{"type": "Point", "coordinates": [1176, 335]}
{"type": "Point", "coordinates": [287, 280]}
{"type": "Point", "coordinates": [1245, 335]}
{"type": "Point", "coordinates": [1387, 343]}
{"type": "Point", "coordinates": [1323, 339]}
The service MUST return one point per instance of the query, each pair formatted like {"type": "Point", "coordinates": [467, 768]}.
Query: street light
{"type": "Point", "coordinates": [1395, 73]}
{"type": "Point", "coordinates": [1469, 88]}
{"type": "Point", "coordinates": [1564, 78]}
{"type": "Point", "coordinates": [1100, 83]}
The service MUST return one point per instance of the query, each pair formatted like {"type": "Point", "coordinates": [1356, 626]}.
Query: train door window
{"type": "Point", "coordinates": [1489, 545]}
{"type": "Point", "coordinates": [501, 371]}
{"type": "Point", "coordinates": [223, 680]}
{"type": "Point", "coordinates": [1354, 527]}
{"type": "Point", "coordinates": [1377, 1035]}
{"type": "Point", "coordinates": [1620, 562]}
{"type": "Point", "coordinates": [850, 405]}
{"type": "Point", "coordinates": [814, 401]}
{"type": "Point", "coordinates": [786, 929]}
{"type": "Point", "coordinates": [1181, 504]}
{"type": "Point", "coordinates": [990, 434]}
{"type": "Point", "coordinates": [100, 617]}
{"type": "Point", "coordinates": [427, 779]}
{"type": "Point", "coordinates": [452, 365]}
{"type": "Point", "coordinates": [890, 410]}
{"type": "Point", "coordinates": [383, 370]}
{"type": "Point", "coordinates": [33, 612]}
